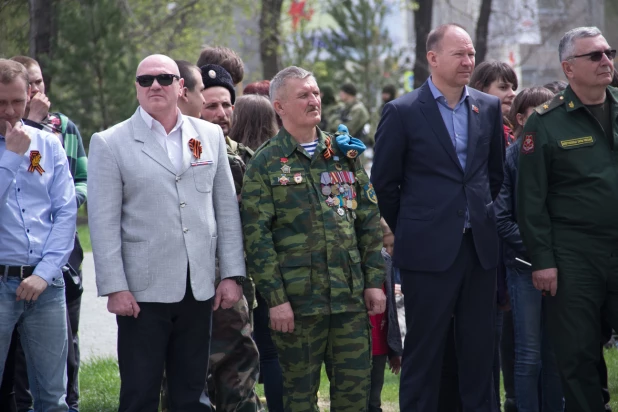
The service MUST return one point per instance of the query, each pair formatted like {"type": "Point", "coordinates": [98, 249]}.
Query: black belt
{"type": "Point", "coordinates": [21, 272]}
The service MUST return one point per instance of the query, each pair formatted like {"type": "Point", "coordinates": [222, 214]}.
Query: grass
{"type": "Point", "coordinates": [100, 386]}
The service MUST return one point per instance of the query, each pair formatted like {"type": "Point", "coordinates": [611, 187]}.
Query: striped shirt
{"type": "Point", "coordinates": [310, 147]}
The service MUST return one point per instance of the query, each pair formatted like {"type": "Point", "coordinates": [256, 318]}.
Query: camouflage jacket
{"type": "Point", "coordinates": [238, 156]}
{"type": "Point", "coordinates": [299, 249]}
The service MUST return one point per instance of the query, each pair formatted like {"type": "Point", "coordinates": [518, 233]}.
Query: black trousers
{"type": "Point", "coordinates": [378, 368]}
{"type": "Point", "coordinates": [465, 292]}
{"type": "Point", "coordinates": [174, 336]}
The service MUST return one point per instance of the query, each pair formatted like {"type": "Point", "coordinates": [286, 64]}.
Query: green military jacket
{"type": "Point", "coordinates": [355, 116]}
{"type": "Point", "coordinates": [299, 249]}
{"type": "Point", "coordinates": [567, 190]}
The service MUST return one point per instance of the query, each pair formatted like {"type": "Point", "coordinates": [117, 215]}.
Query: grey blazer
{"type": "Point", "coordinates": [148, 222]}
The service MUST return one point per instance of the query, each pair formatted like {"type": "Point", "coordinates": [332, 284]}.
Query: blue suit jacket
{"type": "Point", "coordinates": [421, 187]}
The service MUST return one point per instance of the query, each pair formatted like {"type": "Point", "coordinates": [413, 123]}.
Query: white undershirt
{"type": "Point", "coordinates": [172, 141]}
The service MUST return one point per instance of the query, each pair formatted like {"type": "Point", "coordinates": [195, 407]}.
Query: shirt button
{"type": "Point", "coordinates": [23, 210]}
{"type": "Point", "coordinates": [30, 251]}
{"type": "Point", "coordinates": [183, 204]}
{"type": "Point", "coordinates": [18, 189]}
{"type": "Point", "coordinates": [178, 178]}
{"type": "Point", "coordinates": [185, 230]}
{"type": "Point", "coordinates": [27, 230]}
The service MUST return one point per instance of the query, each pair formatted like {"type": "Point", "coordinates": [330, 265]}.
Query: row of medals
{"type": "Point", "coordinates": [338, 187]}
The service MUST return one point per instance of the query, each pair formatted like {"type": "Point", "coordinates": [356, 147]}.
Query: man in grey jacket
{"type": "Point", "coordinates": [162, 205]}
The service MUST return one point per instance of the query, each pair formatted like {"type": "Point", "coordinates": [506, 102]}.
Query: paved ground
{"type": "Point", "coordinates": [97, 327]}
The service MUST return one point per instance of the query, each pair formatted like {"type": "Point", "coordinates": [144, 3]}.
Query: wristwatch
{"type": "Point", "coordinates": [239, 279]}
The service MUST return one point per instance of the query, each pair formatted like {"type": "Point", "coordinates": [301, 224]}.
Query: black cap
{"type": "Point", "coordinates": [213, 75]}
{"type": "Point", "coordinates": [348, 88]}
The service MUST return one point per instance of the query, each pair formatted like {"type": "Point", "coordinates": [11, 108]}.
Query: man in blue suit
{"type": "Point", "coordinates": [437, 169]}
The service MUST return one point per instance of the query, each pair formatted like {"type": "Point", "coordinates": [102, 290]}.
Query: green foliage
{"type": "Point", "coordinates": [360, 48]}
{"type": "Point", "coordinates": [94, 65]}
{"type": "Point", "coordinates": [14, 28]}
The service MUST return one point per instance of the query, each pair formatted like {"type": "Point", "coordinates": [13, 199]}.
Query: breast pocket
{"type": "Point", "coordinates": [290, 195]}
{"type": "Point", "coordinates": [204, 177]}
{"type": "Point", "coordinates": [580, 155]}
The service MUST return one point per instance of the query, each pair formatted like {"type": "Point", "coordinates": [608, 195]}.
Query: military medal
{"type": "Point", "coordinates": [340, 211]}
{"type": "Point", "coordinates": [354, 204]}
{"type": "Point", "coordinates": [283, 180]}
{"type": "Point", "coordinates": [352, 153]}
{"type": "Point", "coordinates": [285, 169]}
{"type": "Point", "coordinates": [196, 148]}
{"type": "Point", "coordinates": [298, 178]}
{"type": "Point", "coordinates": [326, 190]}
{"type": "Point", "coordinates": [353, 215]}
{"type": "Point", "coordinates": [35, 162]}
{"type": "Point", "coordinates": [338, 166]}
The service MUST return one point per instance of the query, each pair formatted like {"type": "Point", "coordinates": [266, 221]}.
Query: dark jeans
{"type": "Point", "coordinates": [270, 369]}
{"type": "Point", "coordinates": [170, 336]}
{"type": "Point", "coordinates": [377, 382]}
{"type": "Point", "coordinates": [7, 392]}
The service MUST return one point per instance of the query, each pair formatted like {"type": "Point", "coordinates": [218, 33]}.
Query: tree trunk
{"type": "Point", "coordinates": [482, 29]}
{"type": "Point", "coordinates": [422, 27]}
{"type": "Point", "coordinates": [42, 33]}
{"type": "Point", "coordinates": [269, 37]}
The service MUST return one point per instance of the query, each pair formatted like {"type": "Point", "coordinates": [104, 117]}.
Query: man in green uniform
{"type": "Point", "coordinates": [313, 242]}
{"type": "Point", "coordinates": [568, 203]}
{"type": "Point", "coordinates": [353, 114]}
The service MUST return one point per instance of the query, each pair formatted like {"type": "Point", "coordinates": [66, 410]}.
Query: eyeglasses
{"type": "Point", "coordinates": [596, 56]}
{"type": "Point", "coordinates": [146, 80]}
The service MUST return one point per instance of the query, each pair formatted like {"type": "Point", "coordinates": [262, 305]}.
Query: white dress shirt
{"type": "Point", "coordinates": [172, 141]}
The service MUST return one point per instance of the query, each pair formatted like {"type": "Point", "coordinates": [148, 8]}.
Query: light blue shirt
{"type": "Point", "coordinates": [38, 211]}
{"type": "Point", "coordinates": [456, 122]}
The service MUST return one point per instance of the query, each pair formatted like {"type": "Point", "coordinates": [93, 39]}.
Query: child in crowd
{"type": "Point", "coordinates": [385, 334]}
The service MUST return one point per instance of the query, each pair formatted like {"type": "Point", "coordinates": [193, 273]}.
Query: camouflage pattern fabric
{"type": "Point", "coordinates": [300, 249]}
{"type": "Point", "coordinates": [318, 257]}
{"type": "Point", "coordinates": [343, 343]}
{"type": "Point", "coordinates": [238, 155]}
{"type": "Point", "coordinates": [234, 361]}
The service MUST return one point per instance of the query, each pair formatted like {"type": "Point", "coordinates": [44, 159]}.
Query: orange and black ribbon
{"type": "Point", "coordinates": [328, 153]}
{"type": "Point", "coordinates": [35, 162]}
{"type": "Point", "coordinates": [196, 148]}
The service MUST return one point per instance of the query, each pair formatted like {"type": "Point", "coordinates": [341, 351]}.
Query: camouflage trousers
{"type": "Point", "coordinates": [343, 343]}
{"type": "Point", "coordinates": [234, 361]}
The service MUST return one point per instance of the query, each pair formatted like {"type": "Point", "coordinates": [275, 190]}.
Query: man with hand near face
{"type": "Point", "coordinates": [311, 227]}
{"type": "Point", "coordinates": [38, 212]}
{"type": "Point", "coordinates": [162, 207]}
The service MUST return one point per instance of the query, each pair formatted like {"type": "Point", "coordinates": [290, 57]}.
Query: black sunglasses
{"type": "Point", "coordinates": [146, 80]}
{"type": "Point", "coordinates": [596, 56]}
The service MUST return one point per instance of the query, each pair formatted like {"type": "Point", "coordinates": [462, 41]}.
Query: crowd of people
{"type": "Point", "coordinates": [240, 239]}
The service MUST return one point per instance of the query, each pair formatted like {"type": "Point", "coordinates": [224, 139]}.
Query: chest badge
{"type": "Point", "coordinates": [283, 180]}
{"type": "Point", "coordinates": [285, 169]}
{"type": "Point", "coordinates": [35, 162]}
{"type": "Point", "coordinates": [475, 109]}
{"type": "Point", "coordinates": [298, 178]}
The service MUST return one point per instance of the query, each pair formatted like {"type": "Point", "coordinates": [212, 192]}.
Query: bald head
{"type": "Point", "coordinates": [160, 101]}
{"type": "Point", "coordinates": [157, 62]}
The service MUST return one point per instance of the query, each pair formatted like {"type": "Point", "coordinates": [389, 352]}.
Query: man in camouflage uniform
{"type": "Point", "coordinates": [353, 113]}
{"type": "Point", "coordinates": [234, 358]}
{"type": "Point", "coordinates": [313, 242]}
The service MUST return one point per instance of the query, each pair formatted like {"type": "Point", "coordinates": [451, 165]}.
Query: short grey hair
{"type": "Point", "coordinates": [567, 43]}
{"type": "Point", "coordinates": [292, 72]}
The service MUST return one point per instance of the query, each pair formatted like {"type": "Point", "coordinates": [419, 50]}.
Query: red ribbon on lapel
{"type": "Point", "coordinates": [196, 147]}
